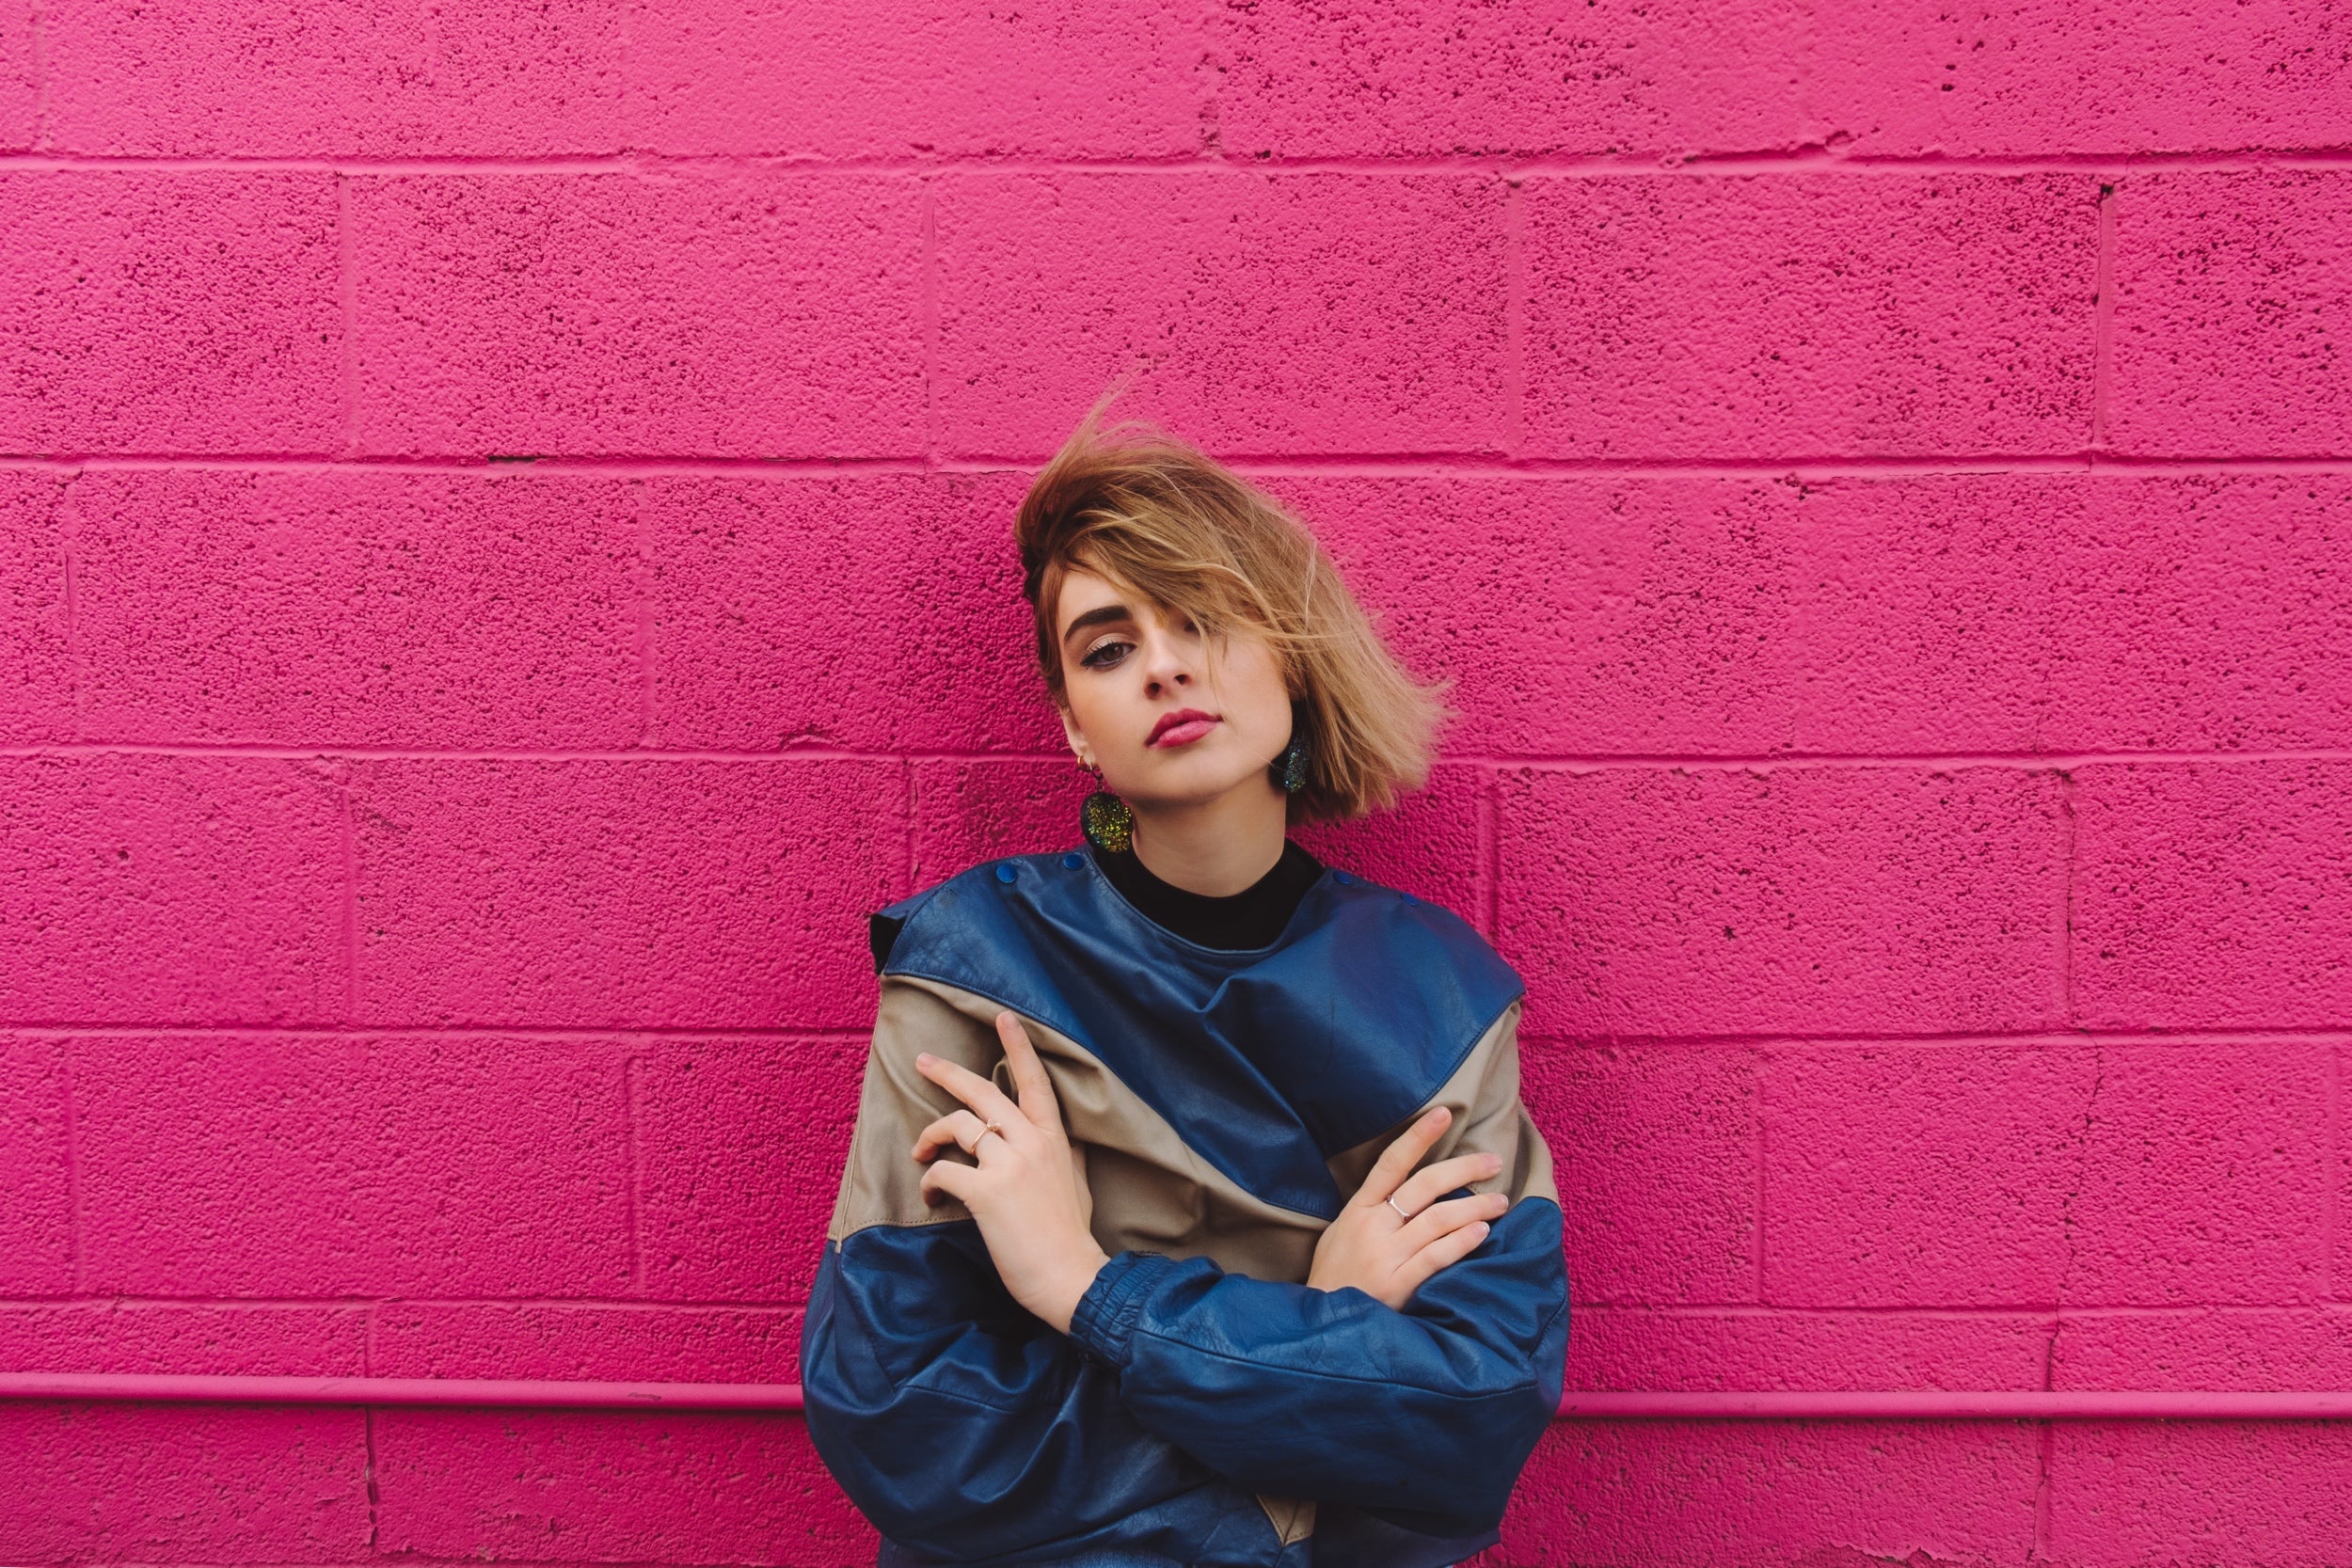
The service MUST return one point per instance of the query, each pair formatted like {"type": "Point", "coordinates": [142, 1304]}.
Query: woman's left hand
{"type": "Point", "coordinates": [1026, 1189]}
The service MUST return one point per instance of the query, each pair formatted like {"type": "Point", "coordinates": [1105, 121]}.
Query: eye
{"type": "Point", "coordinates": [1105, 654]}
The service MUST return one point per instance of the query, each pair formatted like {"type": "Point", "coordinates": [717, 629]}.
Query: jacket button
{"type": "Point", "coordinates": [1005, 872]}
{"type": "Point", "coordinates": [1343, 878]}
{"type": "Point", "coordinates": [1074, 860]}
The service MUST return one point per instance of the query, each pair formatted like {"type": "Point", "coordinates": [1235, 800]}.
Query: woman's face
{"type": "Point", "coordinates": [1170, 718]}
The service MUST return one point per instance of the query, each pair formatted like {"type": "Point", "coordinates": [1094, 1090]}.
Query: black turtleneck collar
{"type": "Point", "coordinates": [1249, 919]}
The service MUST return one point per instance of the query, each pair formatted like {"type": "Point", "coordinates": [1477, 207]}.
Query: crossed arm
{"type": "Point", "coordinates": [1027, 1190]}
{"type": "Point", "coordinates": [996, 1387]}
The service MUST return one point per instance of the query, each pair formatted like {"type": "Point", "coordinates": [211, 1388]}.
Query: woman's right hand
{"type": "Point", "coordinates": [1374, 1248]}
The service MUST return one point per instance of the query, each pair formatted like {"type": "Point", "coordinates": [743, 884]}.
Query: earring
{"type": "Point", "coordinates": [1289, 768]}
{"type": "Point", "coordinates": [1108, 822]}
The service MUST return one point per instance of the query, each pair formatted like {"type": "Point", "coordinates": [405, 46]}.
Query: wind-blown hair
{"type": "Point", "coordinates": [1156, 515]}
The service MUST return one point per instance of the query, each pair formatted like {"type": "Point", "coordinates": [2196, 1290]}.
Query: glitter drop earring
{"type": "Point", "coordinates": [1289, 768]}
{"type": "Point", "coordinates": [1108, 822]}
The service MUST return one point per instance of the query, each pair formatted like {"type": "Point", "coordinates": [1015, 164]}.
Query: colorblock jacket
{"type": "Point", "coordinates": [1206, 1407]}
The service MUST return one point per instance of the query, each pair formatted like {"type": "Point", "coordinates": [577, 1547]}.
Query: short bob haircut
{"type": "Point", "coordinates": [1156, 515]}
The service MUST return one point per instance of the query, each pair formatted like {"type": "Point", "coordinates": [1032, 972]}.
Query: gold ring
{"type": "Point", "coordinates": [986, 1127]}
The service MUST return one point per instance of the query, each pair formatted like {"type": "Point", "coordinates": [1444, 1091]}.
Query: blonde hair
{"type": "Point", "coordinates": [1135, 505]}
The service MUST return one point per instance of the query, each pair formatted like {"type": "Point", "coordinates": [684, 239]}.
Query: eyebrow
{"type": "Point", "coordinates": [1100, 616]}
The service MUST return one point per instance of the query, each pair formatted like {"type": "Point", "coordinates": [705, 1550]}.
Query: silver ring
{"type": "Point", "coordinates": [1400, 1214]}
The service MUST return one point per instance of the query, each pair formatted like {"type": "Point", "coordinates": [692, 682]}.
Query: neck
{"type": "Point", "coordinates": [1215, 847]}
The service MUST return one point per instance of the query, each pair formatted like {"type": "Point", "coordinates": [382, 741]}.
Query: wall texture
{"type": "Point", "coordinates": [502, 565]}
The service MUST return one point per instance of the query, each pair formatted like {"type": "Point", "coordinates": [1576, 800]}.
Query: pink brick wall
{"type": "Point", "coordinates": [503, 564]}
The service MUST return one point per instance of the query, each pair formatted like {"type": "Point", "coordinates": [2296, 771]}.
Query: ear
{"type": "Point", "coordinates": [1077, 741]}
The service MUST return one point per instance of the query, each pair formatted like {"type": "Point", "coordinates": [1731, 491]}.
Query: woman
{"type": "Point", "coordinates": [1192, 1215]}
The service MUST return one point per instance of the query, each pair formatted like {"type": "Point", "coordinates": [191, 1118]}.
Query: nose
{"type": "Point", "coordinates": [1166, 666]}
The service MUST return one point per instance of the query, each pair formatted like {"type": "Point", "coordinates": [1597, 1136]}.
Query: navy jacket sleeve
{"type": "Point", "coordinates": [1422, 1416]}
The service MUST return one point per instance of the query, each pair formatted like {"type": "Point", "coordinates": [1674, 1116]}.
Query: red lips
{"type": "Point", "coordinates": [1184, 724]}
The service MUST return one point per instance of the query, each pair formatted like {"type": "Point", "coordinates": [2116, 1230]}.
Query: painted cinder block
{"type": "Point", "coordinates": [560, 1486]}
{"type": "Point", "coordinates": [357, 607]}
{"type": "Point", "coordinates": [966, 809]}
{"type": "Point", "coordinates": [739, 1147]}
{"type": "Point", "coordinates": [1839, 1494]}
{"type": "Point", "coordinates": [1428, 845]}
{"type": "Point", "coordinates": [37, 1252]}
{"type": "Point", "coordinates": [1792, 899]}
{"type": "Point", "coordinates": [2206, 1177]}
{"type": "Point", "coordinates": [1581, 615]}
{"type": "Point", "coordinates": [1804, 315]}
{"type": "Point", "coordinates": [1365, 80]}
{"type": "Point", "coordinates": [1636, 1348]}
{"type": "Point", "coordinates": [653, 893]}
{"type": "Point", "coordinates": [149, 889]}
{"type": "Point", "coordinates": [2088, 1175]}
{"type": "Point", "coordinates": [881, 612]}
{"type": "Point", "coordinates": [905, 79]}
{"type": "Point", "coordinates": [537, 314]}
{"type": "Point", "coordinates": [2214, 894]}
{"type": "Point", "coordinates": [196, 1339]}
{"type": "Point", "coordinates": [182, 1483]}
{"type": "Point", "coordinates": [1653, 1151]}
{"type": "Point", "coordinates": [289, 1166]}
{"type": "Point", "coordinates": [2258, 1349]}
{"type": "Point", "coordinates": [2234, 299]}
{"type": "Point", "coordinates": [1923, 1175]}
{"type": "Point", "coordinates": [35, 664]}
{"type": "Point", "coordinates": [2196, 612]}
{"type": "Point", "coordinates": [1906, 614]}
{"type": "Point", "coordinates": [596, 1343]}
{"type": "Point", "coordinates": [1304, 313]}
{"type": "Point", "coordinates": [2130, 1493]}
{"type": "Point", "coordinates": [349, 78]}
{"type": "Point", "coordinates": [1912, 77]}
{"type": "Point", "coordinates": [152, 311]}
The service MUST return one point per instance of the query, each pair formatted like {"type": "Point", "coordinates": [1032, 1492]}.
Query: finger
{"type": "Point", "coordinates": [970, 1087]}
{"type": "Point", "coordinates": [1028, 1072]}
{"type": "Point", "coordinates": [1397, 1160]}
{"type": "Point", "coordinates": [947, 1179]}
{"type": "Point", "coordinates": [1424, 1187]}
{"type": "Point", "coordinates": [957, 1128]}
{"type": "Point", "coordinates": [1443, 1219]}
{"type": "Point", "coordinates": [1451, 1247]}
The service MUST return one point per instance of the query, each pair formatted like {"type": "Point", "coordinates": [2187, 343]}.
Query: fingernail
{"type": "Point", "coordinates": [923, 1058]}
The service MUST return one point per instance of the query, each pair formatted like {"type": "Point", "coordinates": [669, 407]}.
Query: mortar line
{"type": "Point", "coordinates": [926, 305]}
{"type": "Point", "coordinates": [1209, 73]}
{"type": "Point", "coordinates": [642, 524]}
{"type": "Point", "coordinates": [68, 552]}
{"type": "Point", "coordinates": [1662, 163]}
{"type": "Point", "coordinates": [350, 894]}
{"type": "Point", "coordinates": [348, 297]}
{"type": "Point", "coordinates": [633, 1126]}
{"type": "Point", "coordinates": [367, 1430]}
{"type": "Point", "coordinates": [2331, 1203]}
{"type": "Point", "coordinates": [1762, 1153]}
{"type": "Point", "coordinates": [77, 1219]}
{"type": "Point", "coordinates": [1514, 317]}
{"type": "Point", "coordinates": [909, 864]}
{"type": "Point", "coordinates": [1560, 762]}
{"type": "Point", "coordinates": [2036, 1313]}
{"type": "Point", "coordinates": [2067, 866]}
{"type": "Point", "coordinates": [2102, 323]}
{"type": "Point", "coordinates": [1465, 464]}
